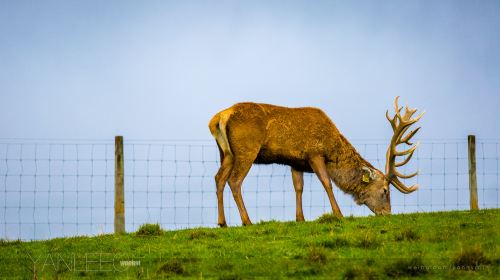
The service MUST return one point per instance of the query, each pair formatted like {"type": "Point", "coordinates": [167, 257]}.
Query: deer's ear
{"type": "Point", "coordinates": [368, 174]}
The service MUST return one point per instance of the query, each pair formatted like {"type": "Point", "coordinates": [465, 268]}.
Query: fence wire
{"type": "Point", "coordinates": [66, 188]}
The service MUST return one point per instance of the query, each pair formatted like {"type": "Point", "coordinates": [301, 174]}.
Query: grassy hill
{"type": "Point", "coordinates": [457, 244]}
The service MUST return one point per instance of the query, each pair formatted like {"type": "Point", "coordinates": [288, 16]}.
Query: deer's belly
{"type": "Point", "coordinates": [295, 160]}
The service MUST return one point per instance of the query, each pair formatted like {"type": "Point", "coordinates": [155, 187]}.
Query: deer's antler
{"type": "Point", "coordinates": [400, 124]}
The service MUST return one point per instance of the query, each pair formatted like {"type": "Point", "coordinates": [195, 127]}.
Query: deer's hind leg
{"type": "Point", "coordinates": [245, 141]}
{"type": "Point", "coordinates": [220, 181]}
{"type": "Point", "coordinates": [240, 170]}
{"type": "Point", "coordinates": [243, 160]}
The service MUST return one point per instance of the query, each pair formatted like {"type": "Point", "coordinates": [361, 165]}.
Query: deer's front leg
{"type": "Point", "coordinates": [318, 166]}
{"type": "Point", "coordinates": [298, 184]}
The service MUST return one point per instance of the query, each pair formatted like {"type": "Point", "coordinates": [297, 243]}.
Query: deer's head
{"type": "Point", "coordinates": [376, 193]}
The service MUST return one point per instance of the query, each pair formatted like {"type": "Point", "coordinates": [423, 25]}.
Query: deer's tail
{"type": "Point", "coordinates": [218, 128]}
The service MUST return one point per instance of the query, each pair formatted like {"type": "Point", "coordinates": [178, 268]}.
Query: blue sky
{"type": "Point", "coordinates": [161, 69]}
{"type": "Point", "coordinates": [156, 70]}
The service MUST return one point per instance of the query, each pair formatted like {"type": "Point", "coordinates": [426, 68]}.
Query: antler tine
{"type": "Point", "coordinates": [407, 138]}
{"type": "Point", "coordinates": [406, 152]}
{"type": "Point", "coordinates": [417, 118]}
{"type": "Point", "coordinates": [403, 176]}
{"type": "Point", "coordinates": [402, 188]}
{"type": "Point", "coordinates": [391, 120]}
{"type": "Point", "coordinates": [400, 124]}
{"type": "Point", "coordinates": [406, 118]}
{"type": "Point", "coordinates": [408, 113]}
{"type": "Point", "coordinates": [404, 125]}
{"type": "Point", "coordinates": [400, 133]}
{"type": "Point", "coordinates": [397, 109]}
{"type": "Point", "coordinates": [405, 161]}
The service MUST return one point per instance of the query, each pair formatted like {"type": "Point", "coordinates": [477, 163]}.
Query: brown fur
{"type": "Point", "coordinates": [298, 137]}
{"type": "Point", "coordinates": [291, 136]}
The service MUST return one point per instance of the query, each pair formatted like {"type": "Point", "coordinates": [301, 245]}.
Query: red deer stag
{"type": "Point", "coordinates": [308, 141]}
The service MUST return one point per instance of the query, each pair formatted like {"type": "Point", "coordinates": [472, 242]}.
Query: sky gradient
{"type": "Point", "coordinates": [161, 69]}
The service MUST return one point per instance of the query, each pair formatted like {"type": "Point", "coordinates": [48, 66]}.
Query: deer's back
{"type": "Point", "coordinates": [285, 135]}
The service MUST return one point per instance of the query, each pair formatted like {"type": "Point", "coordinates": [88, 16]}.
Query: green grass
{"type": "Point", "coordinates": [149, 230]}
{"type": "Point", "coordinates": [457, 244]}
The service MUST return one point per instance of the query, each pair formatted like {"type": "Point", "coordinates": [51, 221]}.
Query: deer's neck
{"type": "Point", "coordinates": [345, 167]}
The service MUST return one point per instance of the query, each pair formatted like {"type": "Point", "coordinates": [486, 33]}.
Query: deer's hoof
{"type": "Point", "coordinates": [222, 225]}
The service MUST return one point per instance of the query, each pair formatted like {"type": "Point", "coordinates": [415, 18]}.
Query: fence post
{"type": "Point", "coordinates": [471, 139]}
{"type": "Point", "coordinates": [119, 187]}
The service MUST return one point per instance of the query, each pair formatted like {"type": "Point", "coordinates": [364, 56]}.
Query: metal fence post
{"type": "Point", "coordinates": [471, 139]}
{"type": "Point", "coordinates": [119, 187]}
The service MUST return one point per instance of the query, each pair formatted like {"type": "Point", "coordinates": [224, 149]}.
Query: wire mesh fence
{"type": "Point", "coordinates": [66, 188]}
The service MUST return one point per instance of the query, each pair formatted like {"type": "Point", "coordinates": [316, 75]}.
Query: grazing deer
{"type": "Point", "coordinates": [308, 141]}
